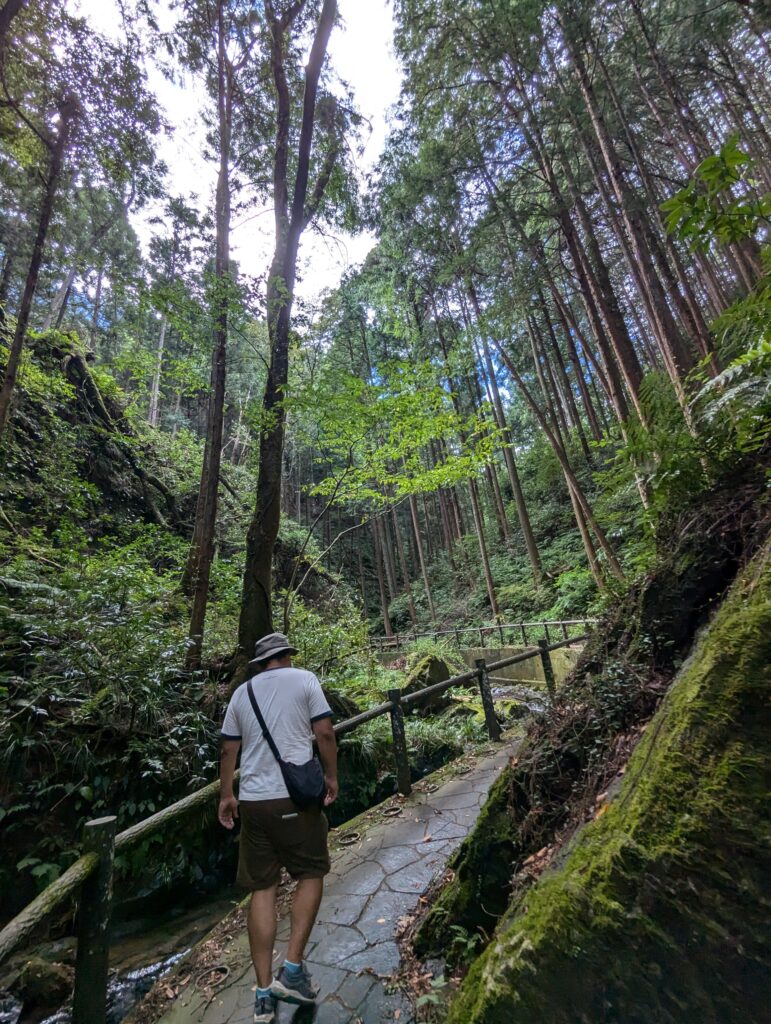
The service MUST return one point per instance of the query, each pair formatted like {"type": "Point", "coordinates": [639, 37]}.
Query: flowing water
{"type": "Point", "coordinates": [141, 952]}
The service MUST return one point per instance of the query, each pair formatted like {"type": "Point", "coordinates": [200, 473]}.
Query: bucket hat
{"type": "Point", "coordinates": [271, 645]}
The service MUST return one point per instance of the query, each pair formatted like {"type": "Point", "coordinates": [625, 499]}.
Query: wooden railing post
{"type": "Point", "coordinates": [523, 631]}
{"type": "Point", "coordinates": [491, 720]}
{"type": "Point", "coordinates": [564, 630]}
{"type": "Point", "coordinates": [548, 668]}
{"type": "Point", "coordinates": [89, 1003]}
{"type": "Point", "coordinates": [546, 632]}
{"type": "Point", "coordinates": [401, 756]}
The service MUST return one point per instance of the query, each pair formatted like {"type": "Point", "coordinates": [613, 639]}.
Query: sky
{"type": "Point", "coordinates": [361, 52]}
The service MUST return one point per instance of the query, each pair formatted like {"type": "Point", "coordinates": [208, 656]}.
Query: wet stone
{"type": "Point", "coordinates": [354, 989]}
{"type": "Point", "coordinates": [361, 881]}
{"type": "Point", "coordinates": [340, 943]}
{"type": "Point", "coordinates": [347, 912]}
{"type": "Point", "coordinates": [410, 833]}
{"type": "Point", "coordinates": [454, 801]}
{"type": "Point", "coordinates": [393, 858]}
{"type": "Point", "coordinates": [415, 877]}
{"type": "Point", "coordinates": [382, 958]}
{"type": "Point", "coordinates": [329, 979]}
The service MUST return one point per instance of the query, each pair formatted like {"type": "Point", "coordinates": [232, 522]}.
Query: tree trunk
{"type": "Point", "coordinates": [567, 469]}
{"type": "Point", "coordinates": [419, 548]}
{"type": "Point", "coordinates": [202, 546]}
{"type": "Point", "coordinates": [508, 454]}
{"type": "Point", "coordinates": [403, 566]}
{"type": "Point", "coordinates": [388, 557]}
{"type": "Point", "coordinates": [5, 277]}
{"type": "Point", "coordinates": [58, 302]}
{"type": "Point", "coordinates": [153, 414]}
{"type": "Point", "coordinates": [97, 303]}
{"type": "Point", "coordinates": [67, 112]}
{"type": "Point", "coordinates": [381, 580]}
{"type": "Point", "coordinates": [256, 607]}
{"type": "Point", "coordinates": [479, 527]}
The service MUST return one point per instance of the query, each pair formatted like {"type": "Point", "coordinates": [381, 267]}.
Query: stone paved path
{"type": "Point", "coordinates": [352, 950]}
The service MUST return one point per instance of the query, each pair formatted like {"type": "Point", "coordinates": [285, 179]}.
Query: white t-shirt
{"type": "Point", "coordinates": [290, 700]}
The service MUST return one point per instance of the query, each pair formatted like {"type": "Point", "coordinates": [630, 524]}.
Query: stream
{"type": "Point", "coordinates": [141, 951]}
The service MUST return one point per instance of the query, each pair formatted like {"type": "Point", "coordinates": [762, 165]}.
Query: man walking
{"type": "Point", "coordinates": [275, 833]}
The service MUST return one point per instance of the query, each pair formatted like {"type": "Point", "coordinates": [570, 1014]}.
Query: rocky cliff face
{"type": "Point", "coordinates": [657, 910]}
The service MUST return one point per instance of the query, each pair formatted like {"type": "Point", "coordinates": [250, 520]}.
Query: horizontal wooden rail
{"type": "Point", "coordinates": [23, 925]}
{"type": "Point", "coordinates": [381, 644]}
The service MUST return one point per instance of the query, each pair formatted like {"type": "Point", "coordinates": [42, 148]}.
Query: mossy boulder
{"type": "Point", "coordinates": [342, 706]}
{"type": "Point", "coordinates": [42, 984]}
{"type": "Point", "coordinates": [659, 912]}
{"type": "Point", "coordinates": [429, 670]}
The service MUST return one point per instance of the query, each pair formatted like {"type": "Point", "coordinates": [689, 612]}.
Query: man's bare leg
{"type": "Point", "coordinates": [262, 933]}
{"type": "Point", "coordinates": [305, 906]}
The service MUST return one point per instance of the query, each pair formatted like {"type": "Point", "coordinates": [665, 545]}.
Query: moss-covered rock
{"type": "Point", "coordinates": [660, 911]}
{"type": "Point", "coordinates": [427, 671]}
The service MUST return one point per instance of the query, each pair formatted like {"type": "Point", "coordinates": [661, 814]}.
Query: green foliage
{"type": "Point", "coordinates": [708, 208]}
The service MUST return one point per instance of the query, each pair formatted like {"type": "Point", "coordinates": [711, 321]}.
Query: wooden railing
{"type": "Point", "coordinates": [503, 633]}
{"type": "Point", "coordinates": [92, 874]}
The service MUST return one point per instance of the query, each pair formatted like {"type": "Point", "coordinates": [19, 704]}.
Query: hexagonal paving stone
{"type": "Point", "coordinates": [342, 941]}
{"type": "Point", "coordinates": [382, 958]}
{"type": "Point", "coordinates": [361, 881]}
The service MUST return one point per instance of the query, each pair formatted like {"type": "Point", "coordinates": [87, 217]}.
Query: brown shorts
{"type": "Point", "coordinates": [275, 834]}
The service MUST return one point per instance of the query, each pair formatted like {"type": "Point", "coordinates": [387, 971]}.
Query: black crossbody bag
{"type": "Point", "coordinates": [305, 782]}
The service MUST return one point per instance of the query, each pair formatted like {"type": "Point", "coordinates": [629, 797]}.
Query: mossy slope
{"type": "Point", "coordinates": [658, 913]}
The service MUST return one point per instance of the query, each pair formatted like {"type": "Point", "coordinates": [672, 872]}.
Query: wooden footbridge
{"type": "Point", "coordinates": [89, 879]}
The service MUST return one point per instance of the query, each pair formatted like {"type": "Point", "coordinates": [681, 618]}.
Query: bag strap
{"type": "Point", "coordinates": [261, 720]}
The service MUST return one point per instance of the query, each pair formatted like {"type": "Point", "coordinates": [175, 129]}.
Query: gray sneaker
{"type": "Point", "coordinates": [264, 1010]}
{"type": "Point", "coordinates": [297, 988]}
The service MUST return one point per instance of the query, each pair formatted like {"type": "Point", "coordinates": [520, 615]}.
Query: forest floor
{"type": "Point", "coordinates": [383, 862]}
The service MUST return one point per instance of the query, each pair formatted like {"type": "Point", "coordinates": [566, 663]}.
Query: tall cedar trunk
{"type": "Point", "coordinates": [479, 529]}
{"type": "Point", "coordinates": [567, 320]}
{"type": "Point", "coordinates": [565, 384]}
{"type": "Point", "coordinates": [362, 582]}
{"type": "Point", "coordinates": [598, 299]}
{"type": "Point", "coordinates": [198, 569]}
{"type": "Point", "coordinates": [153, 412]}
{"type": "Point", "coordinates": [59, 301]}
{"type": "Point", "coordinates": [605, 295]}
{"type": "Point", "coordinates": [421, 559]}
{"type": "Point", "coordinates": [403, 566]}
{"type": "Point", "coordinates": [678, 357]}
{"type": "Point", "coordinates": [680, 290]}
{"type": "Point", "coordinates": [496, 498]}
{"type": "Point", "coordinates": [381, 580]}
{"type": "Point", "coordinates": [5, 278]}
{"type": "Point", "coordinates": [388, 561]}
{"type": "Point", "coordinates": [429, 531]}
{"type": "Point", "coordinates": [567, 469]}
{"type": "Point", "coordinates": [97, 305]}
{"type": "Point", "coordinates": [68, 108]}
{"type": "Point", "coordinates": [508, 453]}
{"type": "Point", "coordinates": [256, 607]}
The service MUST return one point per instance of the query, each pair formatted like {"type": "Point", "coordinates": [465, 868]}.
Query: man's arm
{"type": "Point", "coordinates": [327, 744]}
{"type": "Point", "coordinates": [228, 809]}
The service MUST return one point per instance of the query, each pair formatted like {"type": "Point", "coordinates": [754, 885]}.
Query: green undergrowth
{"type": "Point", "coordinates": [660, 909]}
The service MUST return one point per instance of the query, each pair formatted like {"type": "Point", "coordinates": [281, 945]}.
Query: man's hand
{"type": "Point", "coordinates": [325, 738]}
{"type": "Point", "coordinates": [228, 811]}
{"type": "Point", "coordinates": [331, 794]}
